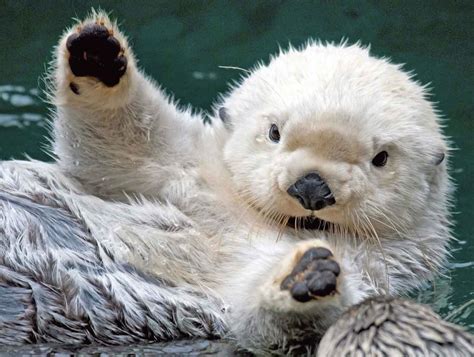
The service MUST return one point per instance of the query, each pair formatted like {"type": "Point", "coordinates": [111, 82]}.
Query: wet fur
{"type": "Point", "coordinates": [151, 225]}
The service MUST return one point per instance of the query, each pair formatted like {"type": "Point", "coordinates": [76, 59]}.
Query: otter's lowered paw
{"type": "Point", "coordinates": [95, 52]}
{"type": "Point", "coordinates": [314, 275]}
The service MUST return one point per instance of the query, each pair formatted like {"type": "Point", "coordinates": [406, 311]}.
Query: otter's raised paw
{"type": "Point", "coordinates": [314, 275]}
{"type": "Point", "coordinates": [95, 52]}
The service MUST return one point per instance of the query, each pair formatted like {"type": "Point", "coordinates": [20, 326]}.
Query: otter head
{"type": "Point", "coordinates": [333, 133]}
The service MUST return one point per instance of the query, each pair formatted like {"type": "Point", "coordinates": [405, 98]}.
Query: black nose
{"type": "Point", "coordinates": [312, 192]}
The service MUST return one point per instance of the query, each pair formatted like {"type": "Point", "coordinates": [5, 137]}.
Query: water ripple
{"type": "Point", "coordinates": [13, 97]}
{"type": "Point", "coordinates": [21, 120]}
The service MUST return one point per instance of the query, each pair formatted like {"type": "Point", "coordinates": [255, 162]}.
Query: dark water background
{"type": "Point", "coordinates": [182, 44]}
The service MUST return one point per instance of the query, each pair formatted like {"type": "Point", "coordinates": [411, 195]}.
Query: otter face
{"type": "Point", "coordinates": [331, 132]}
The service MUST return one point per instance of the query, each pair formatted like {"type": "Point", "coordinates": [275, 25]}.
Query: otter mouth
{"type": "Point", "coordinates": [308, 223]}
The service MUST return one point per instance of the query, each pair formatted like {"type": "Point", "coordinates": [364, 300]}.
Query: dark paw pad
{"type": "Point", "coordinates": [315, 275]}
{"type": "Point", "coordinates": [96, 53]}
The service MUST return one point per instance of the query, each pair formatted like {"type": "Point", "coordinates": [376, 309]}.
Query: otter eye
{"type": "Point", "coordinates": [380, 159]}
{"type": "Point", "coordinates": [274, 133]}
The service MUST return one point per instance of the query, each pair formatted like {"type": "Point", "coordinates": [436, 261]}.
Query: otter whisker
{"type": "Point", "coordinates": [375, 235]}
{"type": "Point", "coordinates": [398, 228]}
{"type": "Point", "coordinates": [236, 68]}
{"type": "Point", "coordinates": [283, 225]}
{"type": "Point", "coordinates": [252, 203]}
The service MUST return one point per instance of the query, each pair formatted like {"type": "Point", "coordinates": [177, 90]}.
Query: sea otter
{"type": "Point", "coordinates": [320, 181]}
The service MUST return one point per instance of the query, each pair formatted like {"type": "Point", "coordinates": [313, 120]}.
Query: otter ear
{"type": "Point", "coordinates": [224, 115]}
{"type": "Point", "coordinates": [436, 151]}
{"type": "Point", "coordinates": [439, 158]}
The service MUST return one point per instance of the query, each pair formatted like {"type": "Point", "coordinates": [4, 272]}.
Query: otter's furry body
{"type": "Point", "coordinates": [151, 225]}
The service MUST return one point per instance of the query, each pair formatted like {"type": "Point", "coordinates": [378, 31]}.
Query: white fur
{"type": "Point", "coordinates": [336, 107]}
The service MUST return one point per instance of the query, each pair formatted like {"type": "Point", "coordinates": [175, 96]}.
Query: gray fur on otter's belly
{"type": "Point", "coordinates": [56, 279]}
{"type": "Point", "coordinates": [151, 225]}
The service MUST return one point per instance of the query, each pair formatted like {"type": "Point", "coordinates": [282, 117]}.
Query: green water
{"type": "Point", "coordinates": [183, 43]}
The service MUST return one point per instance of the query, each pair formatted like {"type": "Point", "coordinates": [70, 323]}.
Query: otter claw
{"type": "Point", "coordinates": [315, 275]}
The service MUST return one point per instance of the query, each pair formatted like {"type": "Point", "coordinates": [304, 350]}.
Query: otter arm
{"type": "Point", "coordinates": [271, 312]}
{"type": "Point", "coordinates": [114, 130]}
{"type": "Point", "coordinates": [265, 306]}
